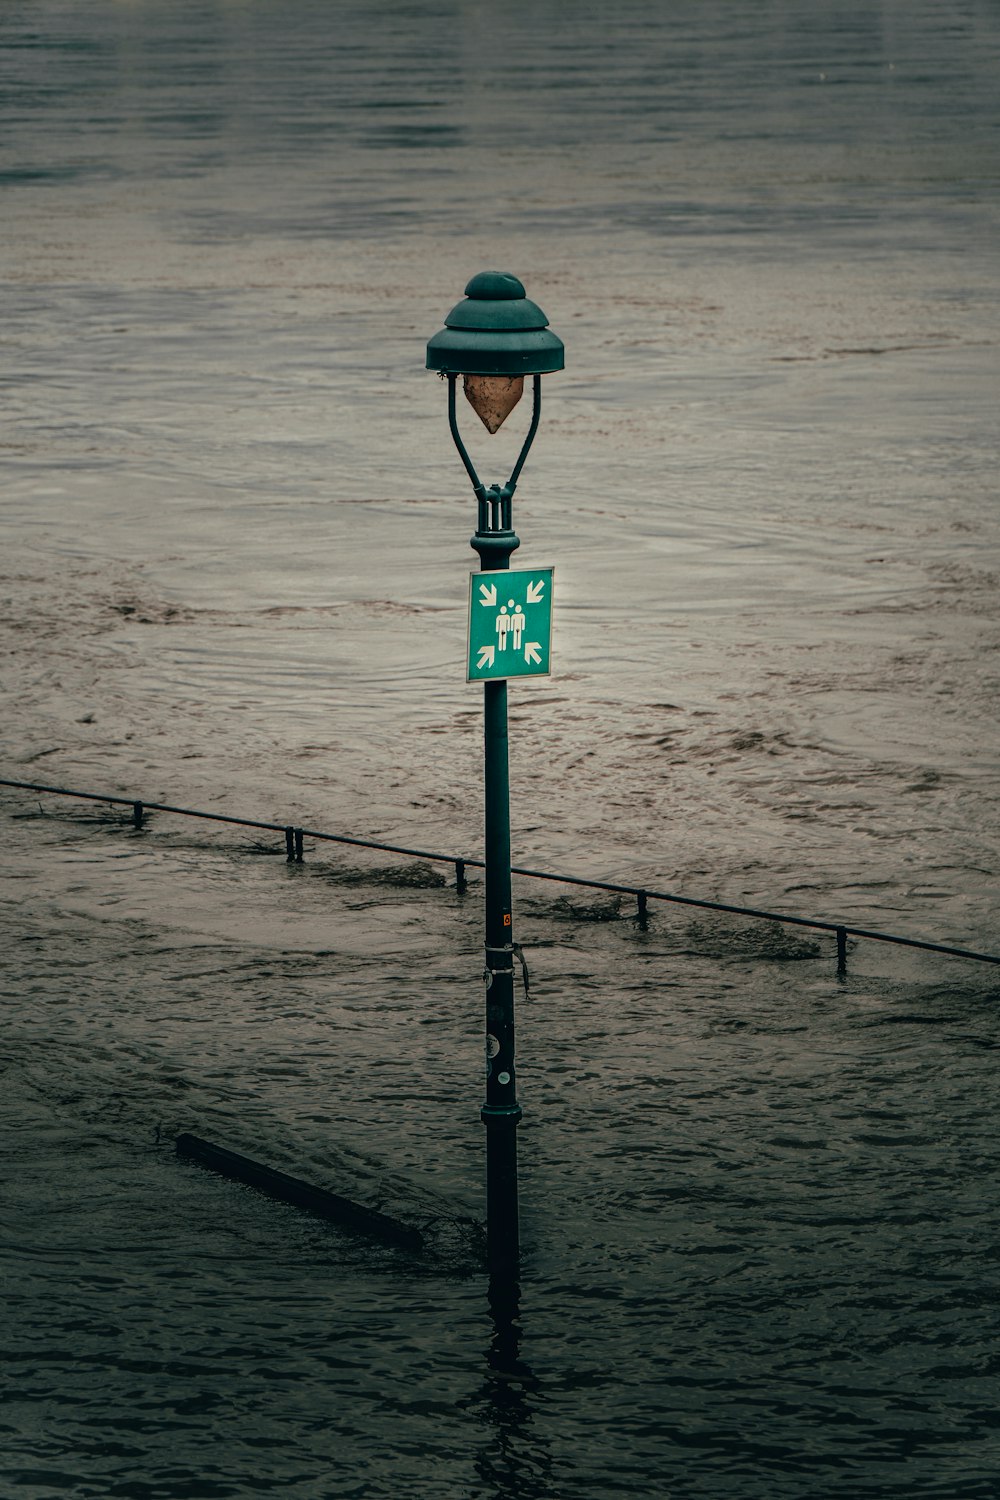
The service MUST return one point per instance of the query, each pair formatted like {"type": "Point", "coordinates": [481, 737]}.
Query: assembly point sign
{"type": "Point", "coordinates": [510, 624]}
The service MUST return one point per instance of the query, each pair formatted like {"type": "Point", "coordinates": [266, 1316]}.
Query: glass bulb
{"type": "Point", "coordinates": [493, 397]}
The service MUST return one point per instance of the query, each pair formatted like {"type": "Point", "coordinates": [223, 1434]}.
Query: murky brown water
{"type": "Point", "coordinates": [758, 1201]}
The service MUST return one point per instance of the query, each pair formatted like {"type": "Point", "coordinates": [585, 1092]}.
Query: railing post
{"type": "Point", "coordinates": [841, 950]}
{"type": "Point", "coordinates": [290, 845]}
{"type": "Point", "coordinates": [137, 814]}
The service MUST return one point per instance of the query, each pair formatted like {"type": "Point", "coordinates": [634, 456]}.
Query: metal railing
{"type": "Point", "coordinates": [294, 848]}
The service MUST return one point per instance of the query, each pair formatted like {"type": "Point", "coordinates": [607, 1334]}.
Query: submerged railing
{"type": "Point", "coordinates": [294, 849]}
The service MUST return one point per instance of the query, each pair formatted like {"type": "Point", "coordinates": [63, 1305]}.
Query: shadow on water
{"type": "Point", "coordinates": [514, 1462]}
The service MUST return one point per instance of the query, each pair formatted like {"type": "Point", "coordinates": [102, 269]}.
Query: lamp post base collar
{"type": "Point", "coordinates": [495, 548]}
{"type": "Point", "coordinates": [501, 1113]}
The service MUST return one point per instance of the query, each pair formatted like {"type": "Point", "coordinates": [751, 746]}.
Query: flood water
{"type": "Point", "coordinates": [759, 1199]}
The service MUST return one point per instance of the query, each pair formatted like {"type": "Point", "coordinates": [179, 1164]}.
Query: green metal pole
{"type": "Point", "coordinates": [501, 1111]}
{"type": "Point", "coordinates": [495, 540]}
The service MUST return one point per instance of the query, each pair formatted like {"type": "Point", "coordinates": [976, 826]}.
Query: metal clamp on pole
{"type": "Point", "coordinates": [516, 951]}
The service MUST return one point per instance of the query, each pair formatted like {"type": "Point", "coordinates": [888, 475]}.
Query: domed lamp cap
{"type": "Point", "coordinates": [497, 330]}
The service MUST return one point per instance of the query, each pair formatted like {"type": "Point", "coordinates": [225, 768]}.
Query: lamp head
{"type": "Point", "coordinates": [493, 339]}
{"type": "Point", "coordinates": [495, 331]}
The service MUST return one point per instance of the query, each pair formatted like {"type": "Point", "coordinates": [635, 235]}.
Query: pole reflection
{"type": "Point", "coordinates": [514, 1462]}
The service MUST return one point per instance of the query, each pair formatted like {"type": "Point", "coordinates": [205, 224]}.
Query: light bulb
{"type": "Point", "coordinates": [493, 397]}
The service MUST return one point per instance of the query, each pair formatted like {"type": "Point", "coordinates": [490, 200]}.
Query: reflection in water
{"type": "Point", "coordinates": [514, 1462]}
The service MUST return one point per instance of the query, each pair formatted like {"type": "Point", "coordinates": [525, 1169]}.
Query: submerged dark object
{"type": "Point", "coordinates": [342, 1211]}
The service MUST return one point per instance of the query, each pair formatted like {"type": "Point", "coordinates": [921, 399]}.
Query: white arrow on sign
{"type": "Point", "coordinates": [486, 655]}
{"type": "Point", "coordinates": [535, 591]}
{"type": "Point", "coordinates": [489, 593]}
{"type": "Point", "coordinates": [532, 651]}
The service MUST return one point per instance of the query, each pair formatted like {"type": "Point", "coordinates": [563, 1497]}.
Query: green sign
{"type": "Point", "coordinates": [510, 624]}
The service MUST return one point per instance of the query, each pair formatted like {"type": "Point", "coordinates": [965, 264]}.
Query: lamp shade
{"type": "Point", "coordinates": [497, 330]}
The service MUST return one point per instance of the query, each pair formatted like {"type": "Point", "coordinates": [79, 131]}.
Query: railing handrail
{"type": "Point", "coordinates": [294, 836]}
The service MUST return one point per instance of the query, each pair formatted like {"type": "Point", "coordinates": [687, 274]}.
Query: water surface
{"type": "Point", "coordinates": [758, 1200]}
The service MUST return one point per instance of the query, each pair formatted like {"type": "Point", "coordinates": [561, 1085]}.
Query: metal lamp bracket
{"type": "Point", "coordinates": [494, 503]}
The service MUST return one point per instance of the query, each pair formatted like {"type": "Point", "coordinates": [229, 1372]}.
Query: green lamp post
{"type": "Point", "coordinates": [493, 340]}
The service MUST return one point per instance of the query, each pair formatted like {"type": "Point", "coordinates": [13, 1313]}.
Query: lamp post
{"type": "Point", "coordinates": [493, 340]}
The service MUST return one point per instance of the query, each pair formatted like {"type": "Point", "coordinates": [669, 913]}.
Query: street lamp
{"type": "Point", "coordinates": [493, 340]}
